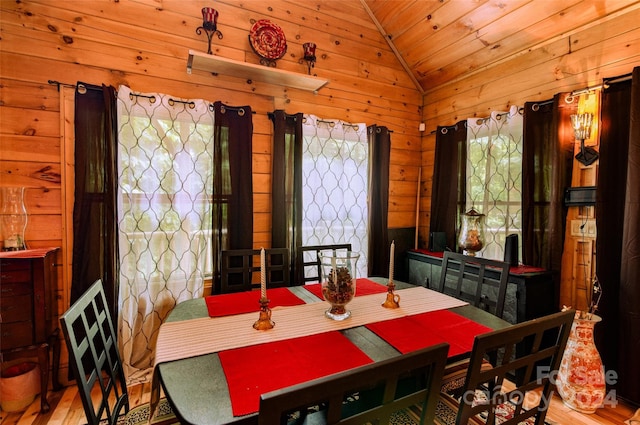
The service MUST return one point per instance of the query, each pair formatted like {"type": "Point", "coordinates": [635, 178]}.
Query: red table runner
{"type": "Point", "coordinates": [257, 369]}
{"type": "Point", "coordinates": [363, 287]}
{"type": "Point", "coordinates": [411, 333]}
{"type": "Point", "coordinates": [248, 301]}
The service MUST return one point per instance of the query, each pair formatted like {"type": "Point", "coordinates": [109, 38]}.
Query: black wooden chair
{"type": "Point", "coordinates": [367, 394]}
{"type": "Point", "coordinates": [464, 277]}
{"type": "Point", "coordinates": [95, 362]}
{"type": "Point", "coordinates": [309, 261]}
{"type": "Point", "coordinates": [485, 400]}
{"type": "Point", "coordinates": [239, 265]}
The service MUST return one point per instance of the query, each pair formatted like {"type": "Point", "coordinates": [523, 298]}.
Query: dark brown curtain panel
{"type": "Point", "coordinates": [547, 161]}
{"type": "Point", "coordinates": [94, 211]}
{"type": "Point", "coordinates": [232, 211]}
{"type": "Point", "coordinates": [449, 176]}
{"type": "Point", "coordinates": [618, 223]}
{"type": "Point", "coordinates": [379, 153]}
{"type": "Point", "coordinates": [286, 188]}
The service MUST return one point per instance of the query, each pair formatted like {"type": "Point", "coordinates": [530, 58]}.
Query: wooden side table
{"type": "Point", "coordinates": [26, 281]}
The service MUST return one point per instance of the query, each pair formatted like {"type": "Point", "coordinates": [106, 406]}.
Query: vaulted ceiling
{"type": "Point", "coordinates": [442, 41]}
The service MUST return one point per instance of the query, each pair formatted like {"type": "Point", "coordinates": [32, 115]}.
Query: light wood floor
{"type": "Point", "coordinates": [66, 409]}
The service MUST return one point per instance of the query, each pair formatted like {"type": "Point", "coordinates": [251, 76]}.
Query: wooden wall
{"type": "Point", "coordinates": [144, 44]}
{"type": "Point", "coordinates": [571, 61]}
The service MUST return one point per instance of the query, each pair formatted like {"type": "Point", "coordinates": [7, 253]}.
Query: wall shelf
{"type": "Point", "coordinates": [224, 66]}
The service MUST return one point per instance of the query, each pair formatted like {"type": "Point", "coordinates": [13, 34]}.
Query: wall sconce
{"type": "Point", "coordinates": [209, 25]}
{"type": "Point", "coordinates": [582, 129]}
{"type": "Point", "coordinates": [310, 55]}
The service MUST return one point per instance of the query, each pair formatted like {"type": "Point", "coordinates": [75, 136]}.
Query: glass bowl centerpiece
{"type": "Point", "coordinates": [338, 282]}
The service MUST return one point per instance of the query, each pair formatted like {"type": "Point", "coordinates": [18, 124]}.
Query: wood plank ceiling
{"type": "Point", "coordinates": [443, 41]}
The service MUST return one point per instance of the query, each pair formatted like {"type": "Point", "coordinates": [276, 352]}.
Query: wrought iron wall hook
{"type": "Point", "coordinates": [209, 25]}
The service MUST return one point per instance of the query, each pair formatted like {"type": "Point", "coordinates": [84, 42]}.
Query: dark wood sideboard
{"type": "Point", "coordinates": [27, 279]}
{"type": "Point", "coordinates": [530, 293]}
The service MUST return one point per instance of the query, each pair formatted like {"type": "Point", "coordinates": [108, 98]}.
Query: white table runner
{"type": "Point", "coordinates": [190, 338]}
{"type": "Point", "coordinates": [195, 337]}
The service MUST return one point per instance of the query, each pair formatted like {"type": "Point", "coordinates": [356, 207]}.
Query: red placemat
{"type": "Point", "coordinates": [411, 333]}
{"type": "Point", "coordinates": [363, 287]}
{"type": "Point", "coordinates": [246, 302]}
{"type": "Point", "coordinates": [255, 370]}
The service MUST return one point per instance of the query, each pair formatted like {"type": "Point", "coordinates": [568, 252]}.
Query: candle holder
{"type": "Point", "coordinates": [264, 321]}
{"type": "Point", "coordinates": [209, 25]}
{"type": "Point", "coordinates": [393, 300]}
{"type": "Point", "coordinates": [13, 219]}
{"type": "Point", "coordinates": [309, 55]}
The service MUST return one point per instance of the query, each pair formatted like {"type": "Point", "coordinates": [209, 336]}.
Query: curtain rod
{"type": "Point", "coordinates": [604, 85]}
{"type": "Point", "coordinates": [72, 86]}
{"type": "Point", "coordinates": [224, 108]}
{"type": "Point", "coordinates": [332, 123]}
{"type": "Point", "coordinates": [445, 129]}
{"type": "Point", "coordinates": [152, 98]}
{"type": "Point", "coordinates": [537, 105]}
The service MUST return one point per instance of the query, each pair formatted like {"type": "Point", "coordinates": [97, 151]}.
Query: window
{"type": "Point", "coordinates": [335, 185]}
{"type": "Point", "coordinates": [165, 185]}
{"type": "Point", "coordinates": [494, 177]}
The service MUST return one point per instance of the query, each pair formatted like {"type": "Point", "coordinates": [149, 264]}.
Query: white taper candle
{"type": "Point", "coordinates": [263, 275]}
{"type": "Point", "coordinates": [391, 255]}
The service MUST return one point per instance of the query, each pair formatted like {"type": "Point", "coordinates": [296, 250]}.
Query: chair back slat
{"type": "Point", "coordinates": [239, 266]}
{"type": "Point", "coordinates": [93, 356]}
{"type": "Point", "coordinates": [466, 278]}
{"type": "Point", "coordinates": [367, 394]}
{"type": "Point", "coordinates": [528, 353]}
{"type": "Point", "coordinates": [308, 262]}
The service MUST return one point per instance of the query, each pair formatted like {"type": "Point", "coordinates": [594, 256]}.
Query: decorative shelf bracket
{"type": "Point", "coordinates": [224, 66]}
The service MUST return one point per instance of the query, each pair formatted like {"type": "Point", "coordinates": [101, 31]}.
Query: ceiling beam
{"type": "Point", "coordinates": [392, 46]}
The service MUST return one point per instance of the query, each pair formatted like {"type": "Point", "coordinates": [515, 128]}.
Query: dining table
{"type": "Point", "coordinates": [212, 365]}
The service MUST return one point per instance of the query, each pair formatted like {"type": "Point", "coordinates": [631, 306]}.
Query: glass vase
{"type": "Point", "coordinates": [338, 282]}
{"type": "Point", "coordinates": [581, 381]}
{"type": "Point", "coordinates": [471, 235]}
{"type": "Point", "coordinates": [13, 218]}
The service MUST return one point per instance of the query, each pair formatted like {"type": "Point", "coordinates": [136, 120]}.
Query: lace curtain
{"type": "Point", "coordinates": [164, 215]}
{"type": "Point", "coordinates": [335, 158]}
{"type": "Point", "coordinates": [494, 177]}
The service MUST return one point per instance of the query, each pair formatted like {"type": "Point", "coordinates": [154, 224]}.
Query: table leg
{"type": "Point", "coordinates": [54, 343]}
{"type": "Point", "coordinates": [43, 359]}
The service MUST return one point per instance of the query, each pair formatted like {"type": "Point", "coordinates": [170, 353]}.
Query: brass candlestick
{"type": "Point", "coordinates": [264, 321]}
{"type": "Point", "coordinates": [393, 300]}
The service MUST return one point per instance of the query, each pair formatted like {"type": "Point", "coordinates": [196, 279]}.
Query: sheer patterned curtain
{"type": "Point", "coordinates": [165, 149]}
{"type": "Point", "coordinates": [335, 167]}
{"type": "Point", "coordinates": [494, 176]}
